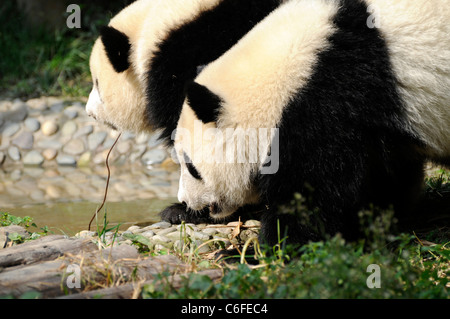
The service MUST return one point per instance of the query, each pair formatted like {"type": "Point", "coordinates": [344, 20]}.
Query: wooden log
{"type": "Point", "coordinates": [45, 248]}
{"type": "Point", "coordinates": [96, 269]}
{"type": "Point", "coordinates": [133, 290]}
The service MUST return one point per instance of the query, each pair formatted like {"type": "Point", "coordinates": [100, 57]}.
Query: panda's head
{"type": "Point", "coordinates": [117, 98]}
{"type": "Point", "coordinates": [217, 168]}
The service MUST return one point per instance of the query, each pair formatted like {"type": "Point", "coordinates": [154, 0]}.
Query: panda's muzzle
{"type": "Point", "coordinates": [214, 209]}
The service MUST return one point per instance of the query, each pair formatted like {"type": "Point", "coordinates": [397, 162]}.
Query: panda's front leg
{"type": "Point", "coordinates": [179, 212]}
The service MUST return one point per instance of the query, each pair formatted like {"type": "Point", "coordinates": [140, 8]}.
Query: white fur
{"type": "Point", "coordinates": [119, 98]}
{"type": "Point", "coordinates": [166, 15]}
{"type": "Point", "coordinates": [275, 59]}
{"type": "Point", "coordinates": [417, 33]}
{"type": "Point", "coordinates": [146, 23]}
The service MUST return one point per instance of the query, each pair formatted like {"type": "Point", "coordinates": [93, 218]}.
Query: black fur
{"type": "Point", "coordinates": [203, 102]}
{"type": "Point", "coordinates": [345, 136]}
{"type": "Point", "coordinates": [195, 43]}
{"type": "Point", "coordinates": [178, 213]}
{"type": "Point", "coordinates": [117, 47]}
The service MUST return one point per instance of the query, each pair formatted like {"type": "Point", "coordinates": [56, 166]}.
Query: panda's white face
{"type": "Point", "coordinates": [205, 179]}
{"type": "Point", "coordinates": [116, 98]}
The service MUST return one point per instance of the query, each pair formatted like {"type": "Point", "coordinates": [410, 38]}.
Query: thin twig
{"type": "Point", "coordinates": [107, 182]}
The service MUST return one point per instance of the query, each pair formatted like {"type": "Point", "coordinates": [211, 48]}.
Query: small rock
{"type": "Point", "coordinates": [247, 234]}
{"type": "Point", "coordinates": [100, 158]}
{"type": "Point", "coordinates": [53, 191]}
{"type": "Point", "coordinates": [123, 147]}
{"type": "Point", "coordinates": [57, 106]}
{"type": "Point", "coordinates": [49, 154]}
{"type": "Point", "coordinates": [161, 225]}
{"type": "Point", "coordinates": [18, 112]}
{"type": "Point", "coordinates": [74, 147]}
{"type": "Point", "coordinates": [133, 229]}
{"type": "Point", "coordinates": [14, 153]}
{"type": "Point", "coordinates": [86, 234]}
{"type": "Point", "coordinates": [65, 160]}
{"type": "Point", "coordinates": [253, 222]}
{"type": "Point", "coordinates": [85, 130]}
{"type": "Point", "coordinates": [160, 239]}
{"type": "Point", "coordinates": [11, 129]}
{"type": "Point", "coordinates": [85, 159]}
{"type": "Point", "coordinates": [38, 104]}
{"type": "Point", "coordinates": [200, 236]}
{"type": "Point", "coordinates": [33, 158]}
{"type": "Point", "coordinates": [49, 128]}
{"type": "Point", "coordinates": [70, 113]}
{"type": "Point", "coordinates": [154, 140]}
{"type": "Point", "coordinates": [142, 138]}
{"type": "Point", "coordinates": [153, 157]}
{"type": "Point", "coordinates": [25, 140]}
{"type": "Point", "coordinates": [174, 235]}
{"type": "Point", "coordinates": [49, 143]}
{"type": "Point", "coordinates": [166, 230]}
{"type": "Point", "coordinates": [148, 234]}
{"type": "Point", "coordinates": [69, 128]}
{"type": "Point", "coordinates": [6, 231]}
{"type": "Point", "coordinates": [96, 139]}
{"type": "Point", "coordinates": [32, 124]}
{"type": "Point", "coordinates": [37, 195]}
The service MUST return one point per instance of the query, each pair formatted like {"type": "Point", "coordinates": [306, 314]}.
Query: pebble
{"type": "Point", "coordinates": [49, 128]}
{"type": "Point", "coordinates": [70, 113]}
{"type": "Point", "coordinates": [49, 154]}
{"type": "Point", "coordinates": [161, 225]}
{"type": "Point", "coordinates": [66, 160]}
{"type": "Point", "coordinates": [11, 129]}
{"type": "Point", "coordinates": [32, 124]}
{"type": "Point", "coordinates": [38, 104]}
{"type": "Point", "coordinates": [24, 140]}
{"type": "Point", "coordinates": [160, 239]}
{"type": "Point", "coordinates": [96, 139]}
{"type": "Point", "coordinates": [14, 153]}
{"type": "Point", "coordinates": [85, 159]}
{"type": "Point", "coordinates": [18, 112]}
{"type": "Point", "coordinates": [85, 130]}
{"type": "Point", "coordinates": [69, 128]}
{"type": "Point", "coordinates": [123, 147]}
{"type": "Point", "coordinates": [148, 233]}
{"type": "Point", "coordinates": [33, 158]}
{"type": "Point", "coordinates": [74, 147]}
{"type": "Point", "coordinates": [155, 156]}
{"type": "Point", "coordinates": [154, 140]}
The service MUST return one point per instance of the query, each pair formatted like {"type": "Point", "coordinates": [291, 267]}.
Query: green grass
{"type": "Point", "coordinates": [6, 219]}
{"type": "Point", "coordinates": [411, 265]}
{"type": "Point", "coordinates": [39, 62]}
{"type": "Point", "coordinates": [328, 269]}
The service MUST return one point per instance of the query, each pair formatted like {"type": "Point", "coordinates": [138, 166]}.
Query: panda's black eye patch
{"type": "Point", "coordinates": [191, 168]}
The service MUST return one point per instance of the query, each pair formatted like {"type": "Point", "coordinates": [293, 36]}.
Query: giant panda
{"type": "Point", "coordinates": [149, 50]}
{"type": "Point", "coordinates": [349, 99]}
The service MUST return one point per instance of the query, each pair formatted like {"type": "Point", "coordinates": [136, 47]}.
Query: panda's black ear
{"type": "Point", "coordinates": [117, 46]}
{"type": "Point", "coordinates": [203, 102]}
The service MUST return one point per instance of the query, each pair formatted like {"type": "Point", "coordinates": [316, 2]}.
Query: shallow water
{"type": "Point", "coordinates": [66, 198]}
{"type": "Point", "coordinates": [71, 217]}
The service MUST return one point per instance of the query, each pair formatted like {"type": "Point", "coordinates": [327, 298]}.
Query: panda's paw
{"type": "Point", "coordinates": [178, 213]}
